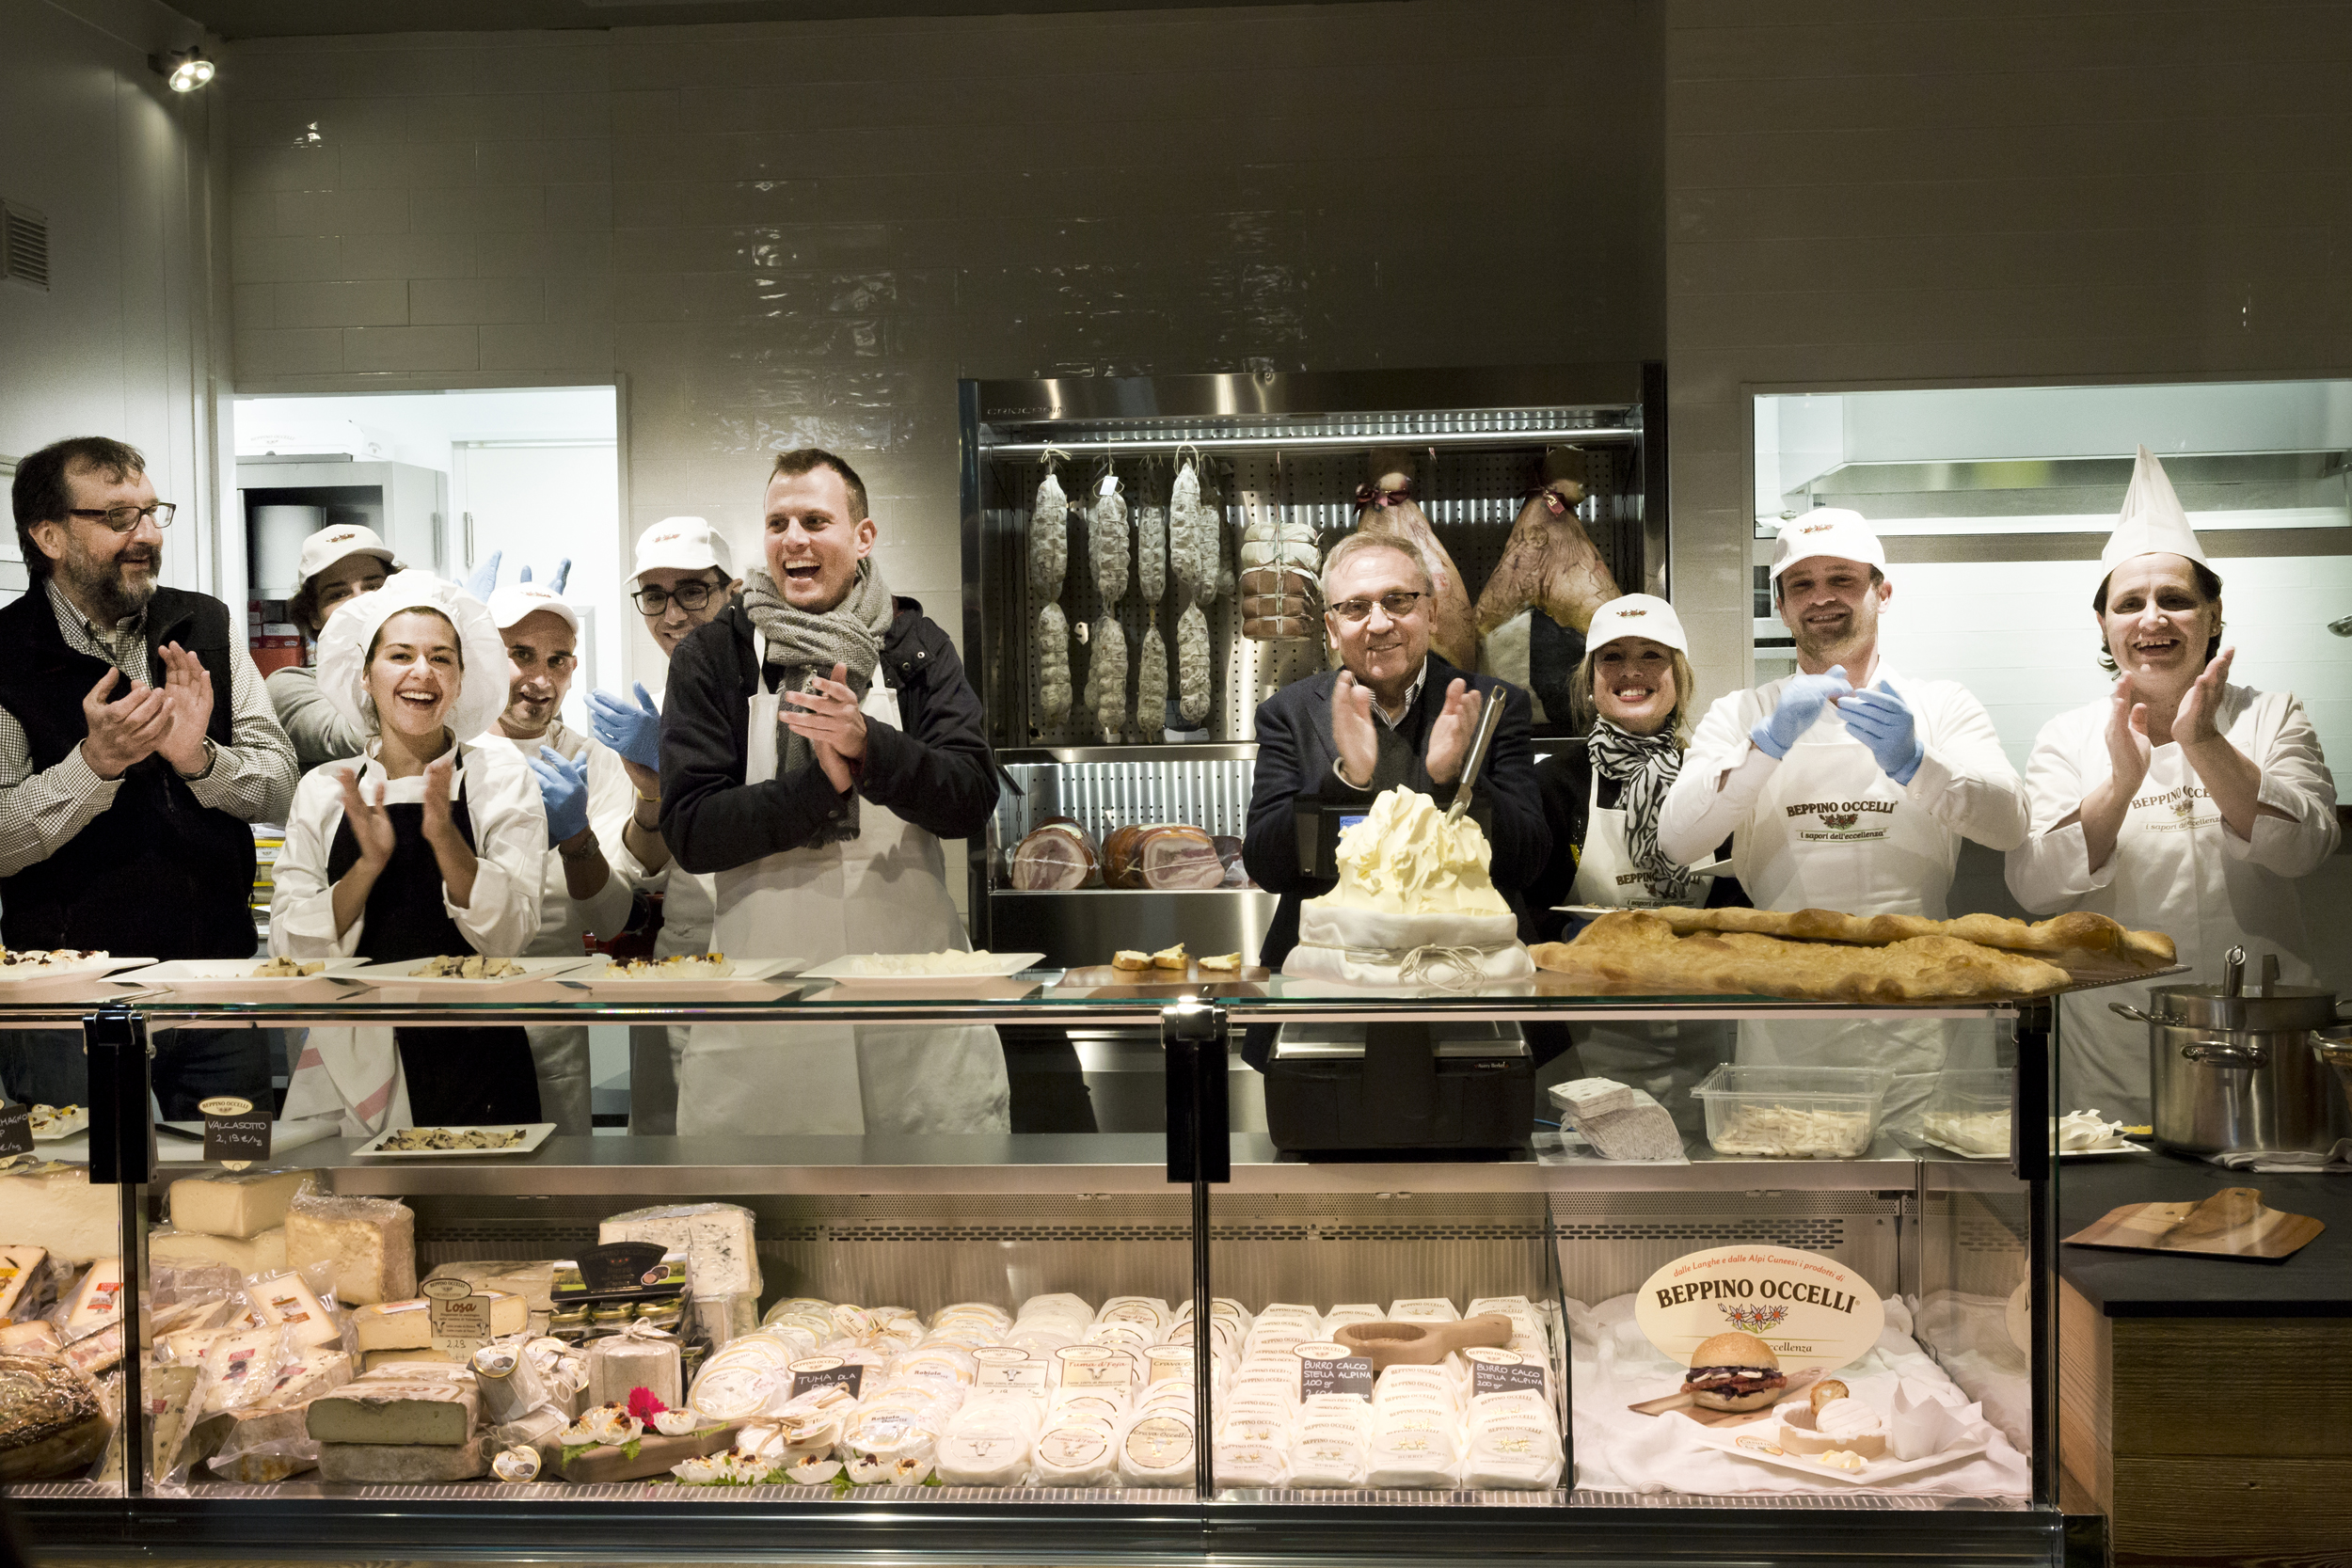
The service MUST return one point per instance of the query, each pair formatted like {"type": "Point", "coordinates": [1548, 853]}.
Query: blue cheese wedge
{"type": "Point", "coordinates": [722, 1256]}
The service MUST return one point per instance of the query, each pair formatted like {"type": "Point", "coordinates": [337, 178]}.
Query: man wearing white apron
{"type": "Point", "coordinates": [818, 740]}
{"type": "Point", "coordinates": [1846, 786]}
{"type": "Point", "coordinates": [685, 578]}
{"type": "Point", "coordinates": [582, 891]}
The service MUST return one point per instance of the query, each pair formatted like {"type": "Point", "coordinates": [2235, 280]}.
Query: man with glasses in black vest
{"type": "Point", "coordinates": [136, 744]}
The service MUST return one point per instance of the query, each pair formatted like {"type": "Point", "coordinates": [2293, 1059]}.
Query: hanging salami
{"type": "Point", "coordinates": [1053, 664]}
{"type": "Point", "coordinates": [1152, 685]}
{"type": "Point", "coordinates": [1192, 664]}
{"type": "Point", "coordinates": [1106, 678]}
{"type": "Point", "coordinates": [1106, 541]}
{"type": "Point", "coordinates": [1049, 539]}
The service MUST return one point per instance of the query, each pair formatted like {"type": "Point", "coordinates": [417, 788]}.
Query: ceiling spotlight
{"type": "Point", "coordinates": [184, 70]}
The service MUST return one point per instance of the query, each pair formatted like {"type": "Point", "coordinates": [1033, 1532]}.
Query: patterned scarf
{"type": "Point", "coordinates": [1645, 766]}
{"type": "Point", "coordinates": [805, 646]}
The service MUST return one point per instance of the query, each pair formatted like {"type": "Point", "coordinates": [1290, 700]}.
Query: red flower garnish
{"type": "Point", "coordinates": [644, 1404]}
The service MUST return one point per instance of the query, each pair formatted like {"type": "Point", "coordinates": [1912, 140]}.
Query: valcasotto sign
{"type": "Point", "coordinates": [1813, 1310]}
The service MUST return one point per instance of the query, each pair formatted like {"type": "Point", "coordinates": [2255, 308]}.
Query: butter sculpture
{"type": "Point", "coordinates": [1405, 858]}
{"type": "Point", "coordinates": [1414, 906]}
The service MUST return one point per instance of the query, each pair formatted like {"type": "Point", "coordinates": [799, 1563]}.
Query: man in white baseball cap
{"type": "Point", "coordinates": [685, 578]}
{"type": "Point", "coordinates": [1844, 787]}
{"type": "Point", "coordinates": [339, 562]}
{"type": "Point", "coordinates": [587, 797]}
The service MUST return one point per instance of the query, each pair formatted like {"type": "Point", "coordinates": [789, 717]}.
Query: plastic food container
{"type": "Point", "coordinates": [1969, 1110]}
{"type": "Point", "coordinates": [1793, 1113]}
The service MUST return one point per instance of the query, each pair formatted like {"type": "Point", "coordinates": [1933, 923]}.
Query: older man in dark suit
{"type": "Point", "coordinates": [1394, 714]}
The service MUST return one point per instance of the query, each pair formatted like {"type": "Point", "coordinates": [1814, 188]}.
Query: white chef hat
{"type": "Point", "coordinates": [1832, 532]}
{"type": "Point", "coordinates": [331, 543]}
{"type": "Point", "coordinates": [2152, 521]}
{"type": "Point", "coordinates": [687, 543]}
{"type": "Point", "coordinates": [343, 650]}
{"type": "Point", "coordinates": [512, 604]}
{"type": "Point", "coordinates": [1637, 615]}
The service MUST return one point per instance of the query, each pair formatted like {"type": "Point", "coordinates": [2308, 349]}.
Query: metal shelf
{"type": "Point", "coordinates": [1453, 439]}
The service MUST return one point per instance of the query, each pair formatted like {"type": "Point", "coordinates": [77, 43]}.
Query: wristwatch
{"type": "Point", "coordinates": [211, 755]}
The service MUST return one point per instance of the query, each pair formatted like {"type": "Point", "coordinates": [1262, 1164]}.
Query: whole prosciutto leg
{"type": "Point", "coordinates": [1385, 508]}
{"type": "Point", "coordinates": [1549, 563]}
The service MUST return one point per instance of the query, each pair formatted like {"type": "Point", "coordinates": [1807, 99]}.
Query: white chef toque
{"type": "Point", "coordinates": [1637, 615]}
{"type": "Point", "coordinates": [330, 544]}
{"type": "Point", "coordinates": [687, 543]}
{"type": "Point", "coordinates": [343, 651]}
{"type": "Point", "coordinates": [511, 604]}
{"type": "Point", "coordinates": [1831, 532]}
{"type": "Point", "coordinates": [2152, 521]}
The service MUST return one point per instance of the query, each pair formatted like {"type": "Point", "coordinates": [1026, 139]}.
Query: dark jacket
{"type": "Point", "coordinates": [935, 771]}
{"type": "Point", "coordinates": [1297, 754]}
{"type": "Point", "coordinates": [1565, 779]}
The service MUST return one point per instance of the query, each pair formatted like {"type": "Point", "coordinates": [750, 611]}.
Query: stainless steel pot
{"type": "Point", "coordinates": [2230, 1071]}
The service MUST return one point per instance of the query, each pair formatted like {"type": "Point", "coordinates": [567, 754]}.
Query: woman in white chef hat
{"type": "Point", "coordinates": [426, 845]}
{"type": "Point", "coordinates": [339, 562]}
{"type": "Point", "coordinates": [2178, 803]}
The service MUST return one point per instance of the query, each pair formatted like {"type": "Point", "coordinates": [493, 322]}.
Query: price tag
{"type": "Point", "coordinates": [1498, 1371]}
{"type": "Point", "coordinates": [827, 1372]}
{"type": "Point", "coordinates": [1096, 1367]}
{"type": "Point", "coordinates": [16, 1131]}
{"type": "Point", "coordinates": [1331, 1369]}
{"type": "Point", "coordinates": [460, 1318]}
{"type": "Point", "coordinates": [234, 1135]}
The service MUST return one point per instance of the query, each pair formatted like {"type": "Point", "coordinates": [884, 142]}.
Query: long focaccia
{"type": "Point", "coordinates": [1637, 950]}
{"type": "Point", "coordinates": [2080, 934]}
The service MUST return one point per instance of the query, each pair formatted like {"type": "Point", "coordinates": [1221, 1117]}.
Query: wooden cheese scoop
{"type": "Point", "coordinates": [1395, 1344]}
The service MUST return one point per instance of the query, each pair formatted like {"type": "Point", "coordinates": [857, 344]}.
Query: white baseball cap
{"type": "Point", "coordinates": [2152, 521]}
{"type": "Point", "coordinates": [1637, 615]}
{"type": "Point", "coordinates": [687, 543]}
{"type": "Point", "coordinates": [511, 604]}
{"type": "Point", "coordinates": [1831, 532]}
{"type": "Point", "coordinates": [330, 544]}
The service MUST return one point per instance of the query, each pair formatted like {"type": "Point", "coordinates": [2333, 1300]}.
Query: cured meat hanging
{"type": "Point", "coordinates": [1165, 857]}
{"type": "Point", "coordinates": [1385, 508]}
{"type": "Point", "coordinates": [1106, 541]}
{"type": "Point", "coordinates": [1279, 595]}
{"type": "Point", "coordinates": [1107, 677]}
{"type": "Point", "coordinates": [1549, 562]}
{"type": "Point", "coordinates": [1049, 538]}
{"type": "Point", "coordinates": [1152, 684]}
{"type": "Point", "coordinates": [1192, 664]}
{"type": "Point", "coordinates": [1191, 538]}
{"type": "Point", "coordinates": [1057, 857]}
{"type": "Point", "coordinates": [1053, 664]}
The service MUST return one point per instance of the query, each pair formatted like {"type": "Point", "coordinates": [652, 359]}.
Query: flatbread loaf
{"type": "Point", "coordinates": [2078, 935]}
{"type": "Point", "coordinates": [1638, 951]}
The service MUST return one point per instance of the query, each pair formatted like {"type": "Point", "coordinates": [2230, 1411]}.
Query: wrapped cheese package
{"type": "Point", "coordinates": [719, 1241]}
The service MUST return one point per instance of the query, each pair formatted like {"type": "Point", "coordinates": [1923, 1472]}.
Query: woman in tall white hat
{"type": "Point", "coordinates": [426, 845]}
{"type": "Point", "coordinates": [2178, 803]}
{"type": "Point", "coordinates": [338, 563]}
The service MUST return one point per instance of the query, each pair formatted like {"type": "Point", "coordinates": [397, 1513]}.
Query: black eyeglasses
{"type": "Point", "coordinates": [123, 520]}
{"type": "Point", "coordinates": [1398, 605]}
{"type": "Point", "coordinates": [689, 595]}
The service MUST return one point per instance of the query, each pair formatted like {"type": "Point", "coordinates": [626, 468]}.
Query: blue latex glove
{"type": "Point", "coordinates": [1881, 719]}
{"type": "Point", "coordinates": [633, 732]}
{"type": "Point", "coordinates": [563, 790]}
{"type": "Point", "coordinates": [484, 578]}
{"type": "Point", "coordinates": [1802, 701]}
{"type": "Point", "coordinates": [555, 584]}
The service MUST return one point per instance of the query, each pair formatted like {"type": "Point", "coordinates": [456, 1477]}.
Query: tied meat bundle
{"type": "Point", "coordinates": [1165, 857]}
{"type": "Point", "coordinates": [1058, 857]}
{"type": "Point", "coordinates": [1281, 596]}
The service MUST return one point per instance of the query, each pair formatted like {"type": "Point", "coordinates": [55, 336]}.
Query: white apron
{"type": "Point", "coordinates": [1832, 832]}
{"type": "Point", "coordinates": [884, 892]}
{"type": "Point", "coordinates": [1665, 1059]}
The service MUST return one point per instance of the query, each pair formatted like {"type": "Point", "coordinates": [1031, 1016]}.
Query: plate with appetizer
{"type": "Point", "coordinates": [255, 978]}
{"type": "Point", "coordinates": [26, 966]}
{"type": "Point", "coordinates": [1779, 1443]}
{"type": "Point", "coordinates": [921, 969]}
{"type": "Point", "coordinates": [440, 1143]}
{"type": "Point", "coordinates": [1169, 972]}
{"type": "Point", "coordinates": [52, 1122]}
{"type": "Point", "coordinates": [465, 974]}
{"type": "Point", "coordinates": [689, 977]}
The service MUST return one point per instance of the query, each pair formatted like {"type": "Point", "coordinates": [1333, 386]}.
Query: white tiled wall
{"type": "Point", "coordinates": [781, 234]}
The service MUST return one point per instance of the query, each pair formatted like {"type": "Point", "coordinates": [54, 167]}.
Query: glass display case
{"type": "Point", "coordinates": [1110, 1246]}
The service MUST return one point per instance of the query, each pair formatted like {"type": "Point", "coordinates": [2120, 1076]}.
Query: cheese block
{"type": "Point", "coordinates": [531, 1282]}
{"type": "Point", "coordinates": [186, 1347]}
{"type": "Point", "coordinates": [619, 1363]}
{"type": "Point", "coordinates": [402, 1464]}
{"type": "Point", "coordinates": [377, 1360]}
{"type": "Point", "coordinates": [725, 1319]}
{"type": "Point", "coordinates": [53, 1206]}
{"type": "Point", "coordinates": [305, 1377]}
{"type": "Point", "coordinates": [262, 1254]}
{"type": "Point", "coordinates": [52, 1423]}
{"type": "Point", "coordinates": [284, 1301]}
{"type": "Point", "coordinates": [97, 1301]}
{"type": "Point", "coordinates": [197, 1313]}
{"type": "Point", "coordinates": [33, 1339]}
{"type": "Point", "coordinates": [93, 1354]}
{"type": "Point", "coordinates": [242, 1204]}
{"type": "Point", "coordinates": [241, 1367]}
{"type": "Point", "coordinates": [408, 1324]}
{"type": "Point", "coordinates": [168, 1391]}
{"type": "Point", "coordinates": [29, 1281]}
{"type": "Point", "coordinates": [378, 1411]}
{"type": "Point", "coordinates": [721, 1251]}
{"type": "Point", "coordinates": [371, 1242]}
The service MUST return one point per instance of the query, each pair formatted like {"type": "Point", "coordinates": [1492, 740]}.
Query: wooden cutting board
{"type": "Point", "coordinates": [655, 1454]}
{"type": "Point", "coordinates": [2231, 1224]}
{"type": "Point", "coordinates": [1103, 980]}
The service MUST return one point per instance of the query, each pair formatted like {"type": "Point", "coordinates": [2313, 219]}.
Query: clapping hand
{"type": "Point", "coordinates": [440, 789]}
{"type": "Point", "coordinates": [371, 824]}
{"type": "Point", "coordinates": [1881, 719]}
{"type": "Point", "coordinates": [1450, 736]}
{"type": "Point", "coordinates": [555, 584]}
{"type": "Point", "coordinates": [2128, 747]}
{"type": "Point", "coordinates": [1352, 730]}
{"type": "Point", "coordinates": [483, 579]}
{"type": "Point", "coordinates": [830, 721]}
{"type": "Point", "coordinates": [1802, 701]}
{"type": "Point", "coordinates": [2197, 724]}
{"type": "Point", "coordinates": [125, 733]}
{"type": "Point", "coordinates": [635, 732]}
{"type": "Point", "coordinates": [563, 790]}
{"type": "Point", "coordinates": [188, 698]}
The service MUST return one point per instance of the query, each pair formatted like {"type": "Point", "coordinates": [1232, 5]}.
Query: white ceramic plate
{"type": "Point", "coordinates": [401, 975]}
{"type": "Point", "coordinates": [1875, 1472]}
{"type": "Point", "coordinates": [72, 1124]}
{"type": "Point", "coordinates": [535, 1133]}
{"type": "Point", "coordinates": [2121, 1145]}
{"type": "Point", "coordinates": [213, 976]}
{"type": "Point", "coordinates": [34, 975]}
{"type": "Point", "coordinates": [843, 970]}
{"type": "Point", "coordinates": [599, 972]}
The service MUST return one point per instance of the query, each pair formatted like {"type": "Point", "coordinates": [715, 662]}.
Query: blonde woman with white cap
{"type": "Point", "coordinates": [685, 578]}
{"type": "Point", "coordinates": [2178, 803]}
{"type": "Point", "coordinates": [1846, 786]}
{"type": "Point", "coordinates": [428, 845]}
{"type": "Point", "coordinates": [339, 562]}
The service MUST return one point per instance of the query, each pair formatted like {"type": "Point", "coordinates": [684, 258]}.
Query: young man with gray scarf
{"type": "Point", "coordinates": [818, 740]}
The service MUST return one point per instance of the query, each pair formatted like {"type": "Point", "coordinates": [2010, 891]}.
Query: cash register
{"type": "Point", "coordinates": [1447, 1088]}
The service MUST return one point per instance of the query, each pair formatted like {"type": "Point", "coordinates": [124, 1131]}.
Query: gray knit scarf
{"type": "Point", "coordinates": [805, 646]}
{"type": "Point", "coordinates": [1645, 766]}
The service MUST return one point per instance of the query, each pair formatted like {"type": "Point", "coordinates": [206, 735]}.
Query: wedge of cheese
{"type": "Point", "coordinates": [722, 1251]}
{"type": "Point", "coordinates": [371, 1242]}
{"type": "Point", "coordinates": [402, 1325]}
{"type": "Point", "coordinates": [186, 1347]}
{"type": "Point", "coordinates": [93, 1354]}
{"type": "Point", "coordinates": [533, 1281]}
{"type": "Point", "coordinates": [305, 1377]}
{"type": "Point", "coordinates": [55, 1208]}
{"type": "Point", "coordinates": [377, 1360]}
{"type": "Point", "coordinates": [29, 1281]}
{"type": "Point", "coordinates": [262, 1254]}
{"type": "Point", "coordinates": [241, 1367]}
{"type": "Point", "coordinates": [242, 1204]}
{"type": "Point", "coordinates": [33, 1339]}
{"type": "Point", "coordinates": [181, 1316]}
{"type": "Point", "coordinates": [97, 1301]}
{"type": "Point", "coordinates": [378, 1411]}
{"type": "Point", "coordinates": [402, 1464]}
{"type": "Point", "coordinates": [285, 1301]}
{"type": "Point", "coordinates": [168, 1391]}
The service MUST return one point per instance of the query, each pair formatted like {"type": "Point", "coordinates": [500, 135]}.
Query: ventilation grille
{"type": "Point", "coordinates": [24, 244]}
